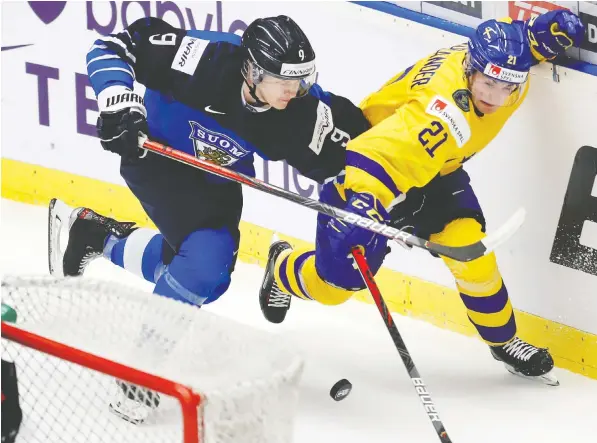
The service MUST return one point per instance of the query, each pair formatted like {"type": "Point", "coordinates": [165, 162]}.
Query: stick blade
{"type": "Point", "coordinates": [485, 246]}
{"type": "Point", "coordinates": [504, 232]}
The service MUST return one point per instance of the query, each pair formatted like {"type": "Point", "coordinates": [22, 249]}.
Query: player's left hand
{"type": "Point", "coordinates": [344, 236]}
{"type": "Point", "coordinates": [556, 31]}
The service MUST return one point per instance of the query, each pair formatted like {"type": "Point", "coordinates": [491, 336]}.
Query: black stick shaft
{"type": "Point", "coordinates": [463, 253]}
{"type": "Point", "coordinates": [420, 387]}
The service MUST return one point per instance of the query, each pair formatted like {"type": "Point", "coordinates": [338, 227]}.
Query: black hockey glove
{"type": "Point", "coordinates": [122, 117]}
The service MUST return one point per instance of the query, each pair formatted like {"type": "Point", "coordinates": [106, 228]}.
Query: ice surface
{"type": "Point", "coordinates": [478, 400]}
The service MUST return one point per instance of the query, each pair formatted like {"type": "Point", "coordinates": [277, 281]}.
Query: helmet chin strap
{"type": "Point", "coordinates": [252, 90]}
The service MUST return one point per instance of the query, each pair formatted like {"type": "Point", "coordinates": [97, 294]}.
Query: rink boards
{"type": "Point", "coordinates": [572, 349]}
{"type": "Point", "coordinates": [545, 159]}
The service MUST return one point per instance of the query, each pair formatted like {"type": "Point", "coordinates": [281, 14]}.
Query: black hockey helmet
{"type": "Point", "coordinates": [277, 46]}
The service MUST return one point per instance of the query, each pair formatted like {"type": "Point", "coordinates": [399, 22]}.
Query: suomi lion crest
{"type": "Point", "coordinates": [215, 146]}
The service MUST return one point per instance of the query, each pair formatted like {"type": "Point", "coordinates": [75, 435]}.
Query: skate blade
{"type": "Point", "coordinates": [58, 217]}
{"type": "Point", "coordinates": [549, 378]}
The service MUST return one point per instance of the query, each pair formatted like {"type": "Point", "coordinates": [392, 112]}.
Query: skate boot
{"type": "Point", "coordinates": [87, 233]}
{"type": "Point", "coordinates": [273, 301]}
{"type": "Point", "coordinates": [526, 360]}
{"type": "Point", "coordinates": [134, 403]}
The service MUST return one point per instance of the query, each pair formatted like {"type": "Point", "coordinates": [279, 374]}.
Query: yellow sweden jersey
{"type": "Point", "coordinates": [423, 124]}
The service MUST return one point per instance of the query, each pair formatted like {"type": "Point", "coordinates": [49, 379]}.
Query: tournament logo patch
{"type": "Point", "coordinates": [461, 97]}
{"type": "Point", "coordinates": [215, 146]}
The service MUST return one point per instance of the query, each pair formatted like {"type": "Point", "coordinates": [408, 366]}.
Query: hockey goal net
{"type": "Point", "coordinates": [81, 346]}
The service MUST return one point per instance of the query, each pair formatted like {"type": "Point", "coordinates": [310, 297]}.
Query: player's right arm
{"type": "Point", "coordinates": [153, 53]}
{"type": "Point", "coordinates": [142, 52]}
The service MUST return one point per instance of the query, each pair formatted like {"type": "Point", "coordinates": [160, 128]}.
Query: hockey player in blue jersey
{"type": "Point", "coordinates": [221, 98]}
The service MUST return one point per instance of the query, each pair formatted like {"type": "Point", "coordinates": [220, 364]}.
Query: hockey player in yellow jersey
{"type": "Point", "coordinates": [406, 170]}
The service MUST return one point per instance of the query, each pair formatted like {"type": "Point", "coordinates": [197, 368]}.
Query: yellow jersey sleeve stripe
{"type": "Point", "coordinates": [373, 168]}
{"type": "Point", "coordinates": [357, 160]}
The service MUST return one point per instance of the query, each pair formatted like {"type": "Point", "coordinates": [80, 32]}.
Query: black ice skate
{"type": "Point", "coordinates": [87, 232]}
{"type": "Point", "coordinates": [134, 403]}
{"type": "Point", "coordinates": [526, 360]}
{"type": "Point", "coordinates": [273, 301]}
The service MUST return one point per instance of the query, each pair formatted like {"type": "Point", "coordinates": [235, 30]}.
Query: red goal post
{"type": "Point", "coordinates": [80, 346]}
{"type": "Point", "coordinates": [189, 400]}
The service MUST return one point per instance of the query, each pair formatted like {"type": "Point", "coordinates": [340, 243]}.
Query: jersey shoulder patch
{"type": "Point", "coordinates": [450, 114]}
{"type": "Point", "coordinates": [188, 55]}
{"type": "Point", "coordinates": [324, 124]}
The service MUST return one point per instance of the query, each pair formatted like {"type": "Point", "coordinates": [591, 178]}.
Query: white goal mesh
{"type": "Point", "coordinates": [246, 380]}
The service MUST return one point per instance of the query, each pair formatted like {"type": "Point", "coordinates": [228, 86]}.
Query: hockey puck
{"type": "Point", "coordinates": [341, 390]}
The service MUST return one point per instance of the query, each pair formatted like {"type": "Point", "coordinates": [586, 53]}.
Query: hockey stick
{"type": "Point", "coordinates": [459, 253]}
{"type": "Point", "coordinates": [420, 387]}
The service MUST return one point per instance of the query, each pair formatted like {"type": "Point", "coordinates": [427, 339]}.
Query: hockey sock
{"type": "Point", "coordinates": [139, 253]}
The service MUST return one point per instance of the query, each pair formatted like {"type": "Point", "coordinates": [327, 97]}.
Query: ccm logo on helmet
{"type": "Point", "coordinates": [297, 70]}
{"type": "Point", "coordinates": [505, 74]}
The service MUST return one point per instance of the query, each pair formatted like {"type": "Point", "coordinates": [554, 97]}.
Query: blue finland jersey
{"type": "Point", "coordinates": [193, 100]}
{"type": "Point", "coordinates": [190, 130]}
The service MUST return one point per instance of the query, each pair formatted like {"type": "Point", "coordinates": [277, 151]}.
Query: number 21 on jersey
{"type": "Point", "coordinates": [433, 137]}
